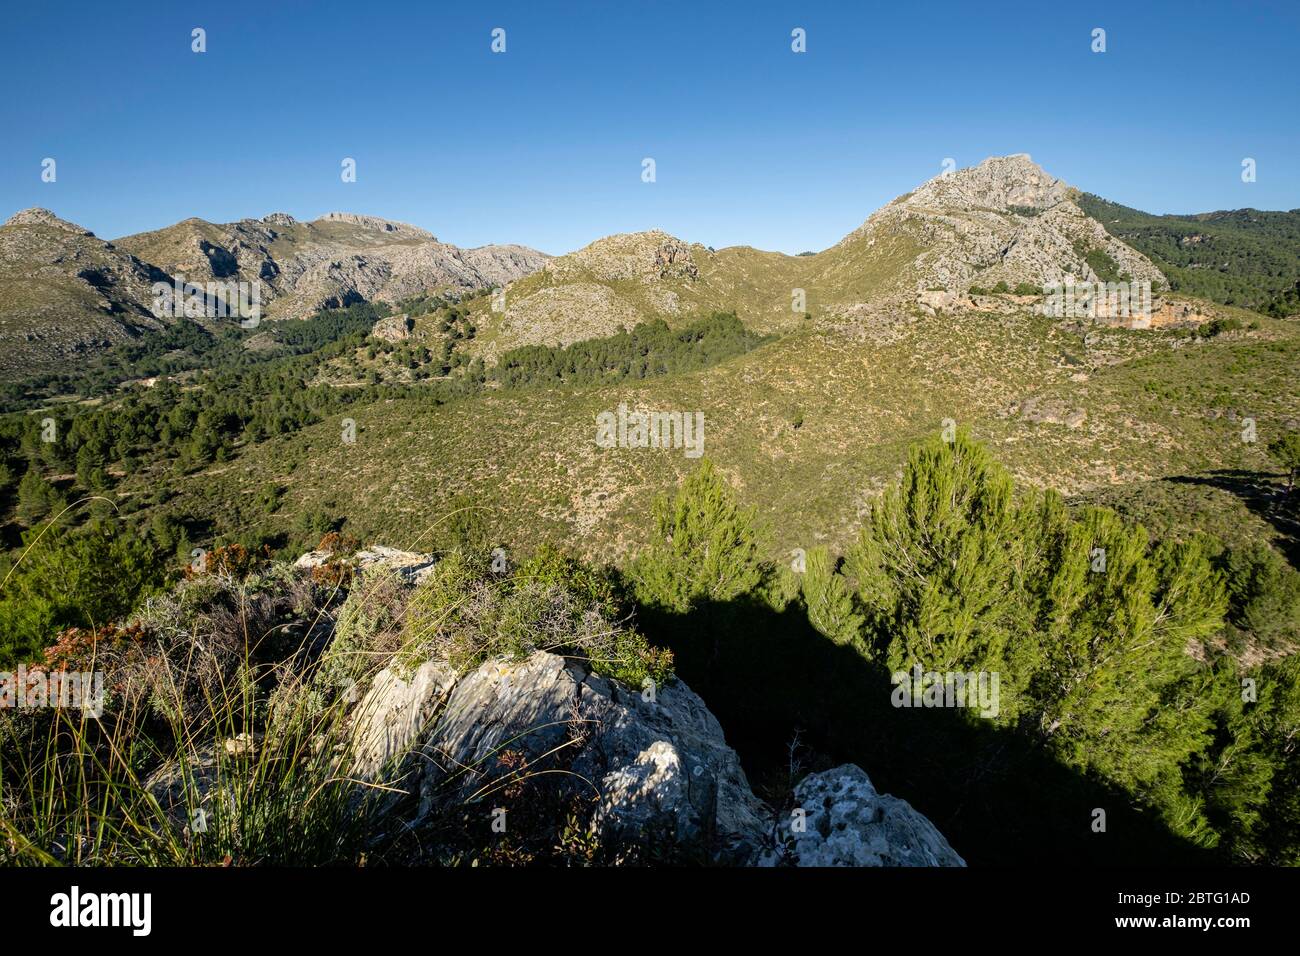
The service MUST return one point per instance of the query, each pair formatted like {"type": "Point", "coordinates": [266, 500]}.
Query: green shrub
{"type": "Point", "coordinates": [1218, 326]}
{"type": "Point", "coordinates": [1264, 594]}
{"type": "Point", "coordinates": [1085, 621]}
{"type": "Point", "coordinates": [651, 348]}
{"type": "Point", "coordinates": [87, 578]}
{"type": "Point", "coordinates": [706, 547]}
{"type": "Point", "coordinates": [464, 613]}
{"type": "Point", "coordinates": [828, 601]}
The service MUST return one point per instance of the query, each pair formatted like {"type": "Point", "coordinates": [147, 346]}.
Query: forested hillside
{"type": "Point", "coordinates": [1244, 257]}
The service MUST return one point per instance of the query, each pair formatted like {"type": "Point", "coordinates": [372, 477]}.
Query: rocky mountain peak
{"type": "Point", "coordinates": [1004, 220]}
{"type": "Point", "coordinates": [36, 216]}
{"type": "Point", "coordinates": [377, 224]}
{"type": "Point", "coordinates": [1000, 182]}
{"type": "Point", "coordinates": [645, 256]}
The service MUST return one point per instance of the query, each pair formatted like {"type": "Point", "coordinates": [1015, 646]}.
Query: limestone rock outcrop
{"type": "Point", "coordinates": [840, 820]}
{"type": "Point", "coordinates": [656, 761]}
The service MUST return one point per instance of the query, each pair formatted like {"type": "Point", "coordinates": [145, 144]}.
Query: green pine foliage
{"type": "Point", "coordinates": [1112, 649]}
{"type": "Point", "coordinates": [651, 348]}
{"type": "Point", "coordinates": [1265, 599]}
{"type": "Point", "coordinates": [1086, 622]}
{"type": "Point", "coordinates": [706, 547]}
{"type": "Point", "coordinates": [828, 601]}
{"type": "Point", "coordinates": [1286, 452]}
{"type": "Point", "coordinates": [1245, 257]}
{"type": "Point", "coordinates": [935, 565]}
{"type": "Point", "coordinates": [37, 498]}
{"type": "Point", "coordinates": [89, 579]}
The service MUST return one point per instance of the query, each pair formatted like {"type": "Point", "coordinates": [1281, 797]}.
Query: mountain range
{"type": "Point", "coordinates": [1005, 220]}
{"type": "Point", "coordinates": [927, 312]}
{"type": "Point", "coordinates": [64, 293]}
{"type": "Point", "coordinates": [890, 439]}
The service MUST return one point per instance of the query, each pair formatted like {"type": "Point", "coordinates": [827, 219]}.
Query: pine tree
{"type": "Point", "coordinates": [935, 564]}
{"type": "Point", "coordinates": [1119, 617]}
{"type": "Point", "coordinates": [1265, 596]}
{"type": "Point", "coordinates": [1086, 624]}
{"type": "Point", "coordinates": [36, 497]}
{"type": "Point", "coordinates": [828, 601]}
{"type": "Point", "coordinates": [1286, 451]}
{"type": "Point", "coordinates": [706, 546]}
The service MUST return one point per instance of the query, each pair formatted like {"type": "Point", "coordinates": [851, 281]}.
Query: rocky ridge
{"type": "Point", "coordinates": [330, 262]}
{"type": "Point", "coordinates": [64, 293]}
{"type": "Point", "coordinates": [658, 764]}
{"type": "Point", "coordinates": [1005, 220]}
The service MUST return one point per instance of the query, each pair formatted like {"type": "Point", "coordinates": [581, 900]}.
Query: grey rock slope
{"type": "Point", "coordinates": [1005, 220]}
{"type": "Point", "coordinates": [657, 763]}
{"type": "Point", "coordinates": [332, 261]}
{"type": "Point", "coordinates": [840, 820]}
{"type": "Point", "coordinates": [64, 293]}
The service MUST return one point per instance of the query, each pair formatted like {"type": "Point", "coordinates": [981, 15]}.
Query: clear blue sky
{"type": "Point", "coordinates": [543, 144]}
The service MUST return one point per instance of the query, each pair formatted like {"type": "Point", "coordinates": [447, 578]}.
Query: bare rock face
{"type": "Point", "coordinates": [36, 216]}
{"type": "Point", "coordinates": [394, 711]}
{"type": "Point", "coordinates": [845, 822]}
{"type": "Point", "coordinates": [64, 293]}
{"type": "Point", "coordinates": [645, 257]}
{"type": "Point", "coordinates": [934, 300]}
{"type": "Point", "coordinates": [1051, 412]}
{"type": "Point", "coordinates": [657, 763]}
{"type": "Point", "coordinates": [1000, 182]}
{"type": "Point", "coordinates": [378, 225]}
{"type": "Point", "coordinates": [334, 261]}
{"type": "Point", "coordinates": [660, 766]}
{"type": "Point", "coordinates": [411, 566]}
{"type": "Point", "coordinates": [394, 328]}
{"type": "Point", "coordinates": [1005, 220]}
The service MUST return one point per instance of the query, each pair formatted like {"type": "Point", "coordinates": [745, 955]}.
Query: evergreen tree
{"type": "Point", "coordinates": [86, 579]}
{"type": "Point", "coordinates": [1286, 451]}
{"type": "Point", "coordinates": [936, 560]}
{"type": "Point", "coordinates": [828, 601]}
{"type": "Point", "coordinates": [1265, 596]}
{"type": "Point", "coordinates": [706, 546]}
{"type": "Point", "coordinates": [1086, 624]}
{"type": "Point", "coordinates": [36, 497]}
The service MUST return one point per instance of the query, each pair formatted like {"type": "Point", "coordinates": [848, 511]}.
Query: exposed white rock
{"type": "Point", "coordinates": [1004, 220]}
{"type": "Point", "coordinates": [393, 328]}
{"type": "Point", "coordinates": [333, 261]}
{"type": "Point", "coordinates": [394, 711]}
{"type": "Point", "coordinates": [840, 820]}
{"type": "Point", "coordinates": [657, 764]}
{"type": "Point", "coordinates": [411, 565]}
{"type": "Point", "coordinates": [377, 224]}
